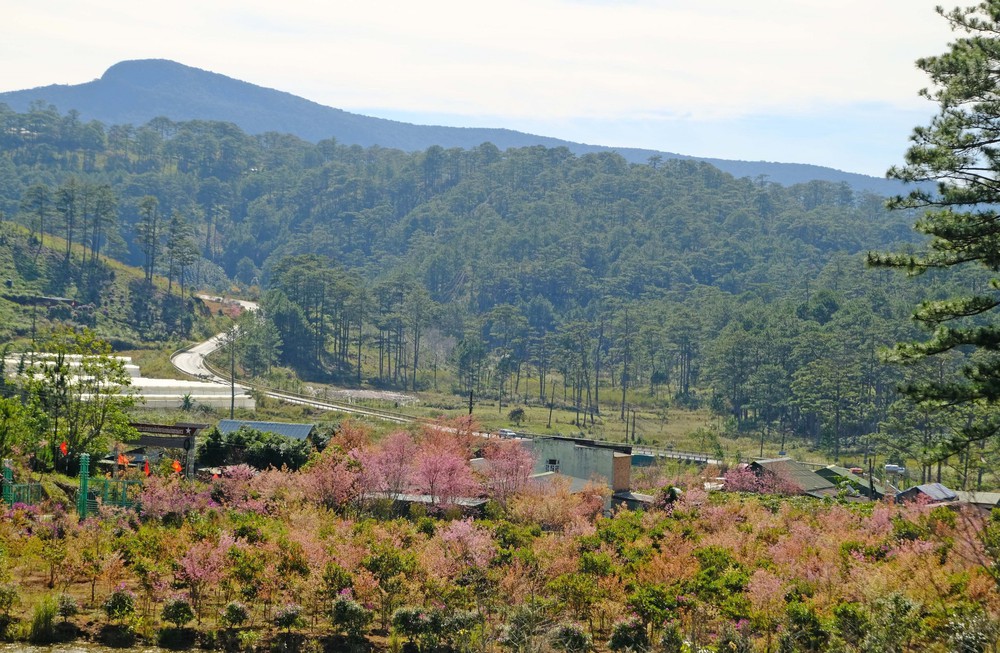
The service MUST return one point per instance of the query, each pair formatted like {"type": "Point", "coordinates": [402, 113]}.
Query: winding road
{"type": "Point", "coordinates": [191, 361]}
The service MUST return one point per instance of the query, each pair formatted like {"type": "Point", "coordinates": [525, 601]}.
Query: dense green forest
{"type": "Point", "coordinates": [532, 275]}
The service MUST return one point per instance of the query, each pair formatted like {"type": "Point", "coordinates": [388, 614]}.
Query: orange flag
{"type": "Point", "coordinates": [177, 466]}
{"type": "Point", "coordinates": [64, 448]}
{"type": "Point", "coordinates": [123, 459]}
{"type": "Point", "coordinates": [145, 468]}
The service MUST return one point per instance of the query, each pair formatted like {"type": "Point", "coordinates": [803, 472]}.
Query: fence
{"type": "Point", "coordinates": [94, 492]}
{"type": "Point", "coordinates": [26, 493]}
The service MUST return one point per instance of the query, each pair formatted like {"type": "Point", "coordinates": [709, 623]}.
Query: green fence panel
{"type": "Point", "coordinates": [112, 492]}
{"type": "Point", "coordinates": [26, 493]}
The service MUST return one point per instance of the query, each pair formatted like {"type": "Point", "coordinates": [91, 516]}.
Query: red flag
{"type": "Point", "coordinates": [64, 448]}
{"type": "Point", "coordinates": [145, 468]}
{"type": "Point", "coordinates": [177, 466]}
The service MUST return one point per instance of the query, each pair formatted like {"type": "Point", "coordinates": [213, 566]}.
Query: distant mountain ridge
{"type": "Point", "coordinates": [134, 92]}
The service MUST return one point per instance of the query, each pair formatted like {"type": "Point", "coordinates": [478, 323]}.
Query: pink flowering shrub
{"type": "Point", "coordinates": [466, 544]}
{"type": "Point", "coordinates": [202, 567]}
{"type": "Point", "coordinates": [509, 465]}
{"type": "Point", "coordinates": [444, 475]}
{"type": "Point", "coordinates": [744, 479]}
{"type": "Point", "coordinates": [171, 499]}
{"type": "Point", "coordinates": [387, 469]}
{"type": "Point", "coordinates": [332, 478]}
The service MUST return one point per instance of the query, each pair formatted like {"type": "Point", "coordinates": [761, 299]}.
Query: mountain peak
{"type": "Point", "coordinates": [137, 70]}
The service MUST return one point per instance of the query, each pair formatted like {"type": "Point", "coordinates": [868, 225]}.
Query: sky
{"type": "Point", "coordinates": [799, 81]}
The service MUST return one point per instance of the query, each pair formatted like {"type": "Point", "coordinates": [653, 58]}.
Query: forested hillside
{"type": "Point", "coordinates": [138, 91]}
{"type": "Point", "coordinates": [515, 271]}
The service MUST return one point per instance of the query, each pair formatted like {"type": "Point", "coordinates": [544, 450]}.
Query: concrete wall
{"type": "Point", "coordinates": [581, 461]}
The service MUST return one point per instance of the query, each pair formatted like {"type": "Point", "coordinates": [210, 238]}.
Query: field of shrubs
{"type": "Point", "coordinates": [322, 558]}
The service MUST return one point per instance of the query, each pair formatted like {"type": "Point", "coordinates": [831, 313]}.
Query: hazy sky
{"type": "Point", "coordinates": [806, 81]}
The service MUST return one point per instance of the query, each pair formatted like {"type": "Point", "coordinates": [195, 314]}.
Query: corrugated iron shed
{"type": "Point", "coordinates": [933, 491]}
{"type": "Point", "coordinates": [798, 475]}
{"type": "Point", "coordinates": [836, 473]}
{"type": "Point", "coordinates": [983, 499]}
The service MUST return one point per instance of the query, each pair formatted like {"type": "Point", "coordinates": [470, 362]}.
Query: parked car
{"type": "Point", "coordinates": [507, 433]}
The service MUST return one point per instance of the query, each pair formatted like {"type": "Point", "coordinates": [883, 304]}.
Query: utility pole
{"type": "Point", "coordinates": [626, 424]}
{"type": "Point", "coordinates": [231, 341]}
{"type": "Point", "coordinates": [552, 402]}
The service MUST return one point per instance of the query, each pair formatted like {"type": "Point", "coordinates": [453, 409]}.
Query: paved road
{"type": "Point", "coordinates": [192, 360]}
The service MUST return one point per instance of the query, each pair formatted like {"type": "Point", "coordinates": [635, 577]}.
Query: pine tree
{"type": "Point", "coordinates": [148, 232]}
{"type": "Point", "coordinates": [956, 161]}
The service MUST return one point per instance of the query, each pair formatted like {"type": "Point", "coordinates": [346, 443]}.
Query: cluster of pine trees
{"type": "Point", "coordinates": [531, 275]}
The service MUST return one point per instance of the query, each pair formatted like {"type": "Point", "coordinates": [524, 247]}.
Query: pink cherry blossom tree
{"type": "Point", "coordinates": [467, 544]}
{"type": "Point", "coordinates": [508, 467]}
{"type": "Point", "coordinates": [387, 469]}
{"type": "Point", "coordinates": [743, 479]}
{"type": "Point", "coordinates": [202, 568]}
{"type": "Point", "coordinates": [332, 479]}
{"type": "Point", "coordinates": [444, 475]}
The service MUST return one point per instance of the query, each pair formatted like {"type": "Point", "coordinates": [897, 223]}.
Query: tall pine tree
{"type": "Point", "coordinates": [956, 159]}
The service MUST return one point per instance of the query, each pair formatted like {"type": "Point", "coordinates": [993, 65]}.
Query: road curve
{"type": "Point", "coordinates": [191, 360]}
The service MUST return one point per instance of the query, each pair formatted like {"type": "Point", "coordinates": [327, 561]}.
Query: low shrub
{"type": "Point", "coordinates": [629, 635]}
{"type": "Point", "coordinates": [289, 617]}
{"type": "Point", "coordinates": [43, 622]}
{"type": "Point", "coordinates": [120, 605]}
{"type": "Point", "coordinates": [571, 638]}
{"type": "Point", "coordinates": [177, 611]}
{"type": "Point", "coordinates": [350, 617]}
{"type": "Point", "coordinates": [235, 614]}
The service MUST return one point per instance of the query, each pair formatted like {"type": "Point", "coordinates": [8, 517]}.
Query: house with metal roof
{"type": "Point", "coordinates": [984, 500]}
{"type": "Point", "coordinates": [797, 476]}
{"type": "Point", "coordinates": [286, 429]}
{"type": "Point", "coordinates": [583, 460]}
{"type": "Point", "coordinates": [933, 492]}
{"type": "Point", "coordinates": [868, 487]}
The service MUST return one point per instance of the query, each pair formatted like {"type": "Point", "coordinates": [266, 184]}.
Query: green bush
{"type": "Point", "coordinates": [43, 621]}
{"type": "Point", "coordinates": [235, 614]}
{"type": "Point", "coordinates": [68, 606]}
{"type": "Point", "coordinates": [430, 629]}
{"type": "Point", "coordinates": [733, 640]}
{"type": "Point", "coordinates": [672, 641]}
{"type": "Point", "coordinates": [10, 596]}
{"type": "Point", "coordinates": [350, 617]}
{"type": "Point", "coordinates": [411, 622]}
{"type": "Point", "coordinates": [629, 635]}
{"type": "Point", "coordinates": [571, 638]}
{"type": "Point", "coordinates": [525, 624]}
{"type": "Point", "coordinates": [177, 611]}
{"type": "Point", "coordinates": [289, 617]}
{"type": "Point", "coordinates": [120, 605]}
